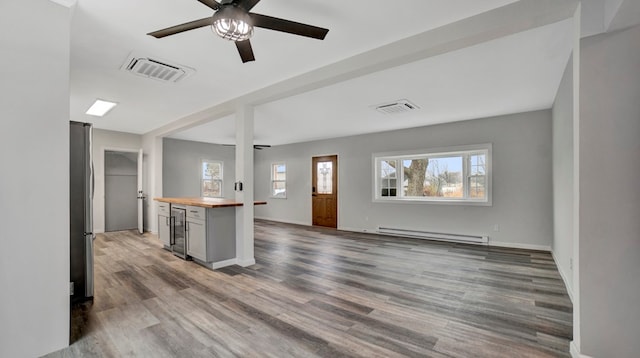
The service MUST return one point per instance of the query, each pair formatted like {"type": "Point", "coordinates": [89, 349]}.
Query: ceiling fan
{"type": "Point", "coordinates": [233, 21]}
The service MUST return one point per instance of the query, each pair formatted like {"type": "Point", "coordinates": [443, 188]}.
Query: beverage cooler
{"type": "Point", "coordinates": [179, 239]}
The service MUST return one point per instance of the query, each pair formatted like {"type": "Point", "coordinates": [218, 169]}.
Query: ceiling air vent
{"type": "Point", "coordinates": [157, 69]}
{"type": "Point", "coordinates": [399, 106]}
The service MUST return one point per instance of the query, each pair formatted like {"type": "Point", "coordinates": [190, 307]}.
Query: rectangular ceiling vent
{"type": "Point", "coordinates": [156, 69]}
{"type": "Point", "coordinates": [399, 106]}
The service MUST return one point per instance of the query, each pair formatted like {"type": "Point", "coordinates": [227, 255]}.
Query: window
{"type": "Point", "coordinates": [211, 178]}
{"type": "Point", "coordinates": [324, 176]}
{"type": "Point", "coordinates": [448, 175]}
{"type": "Point", "coordinates": [278, 180]}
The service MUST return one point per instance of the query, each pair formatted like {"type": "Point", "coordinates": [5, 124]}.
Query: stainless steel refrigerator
{"type": "Point", "coordinates": [81, 183]}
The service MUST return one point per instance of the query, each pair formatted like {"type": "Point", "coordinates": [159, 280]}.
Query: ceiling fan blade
{"type": "Point", "coordinates": [245, 50]}
{"type": "Point", "coordinates": [248, 4]}
{"type": "Point", "coordinates": [181, 28]}
{"type": "Point", "coordinates": [296, 28]}
{"type": "Point", "coordinates": [214, 5]}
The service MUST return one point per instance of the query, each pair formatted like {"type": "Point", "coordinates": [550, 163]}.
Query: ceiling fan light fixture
{"type": "Point", "coordinates": [232, 25]}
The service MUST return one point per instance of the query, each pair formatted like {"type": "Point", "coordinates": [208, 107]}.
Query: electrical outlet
{"type": "Point", "coordinates": [496, 227]}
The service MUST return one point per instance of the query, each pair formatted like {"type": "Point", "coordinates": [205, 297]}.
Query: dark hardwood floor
{"type": "Point", "coordinates": [325, 293]}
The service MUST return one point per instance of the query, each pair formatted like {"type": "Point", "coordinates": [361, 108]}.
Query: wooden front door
{"type": "Point", "coordinates": [324, 191]}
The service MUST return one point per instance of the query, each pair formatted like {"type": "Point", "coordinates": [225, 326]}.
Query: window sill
{"type": "Point", "coordinates": [434, 202]}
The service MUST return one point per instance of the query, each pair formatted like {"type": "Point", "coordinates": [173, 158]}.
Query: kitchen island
{"type": "Point", "coordinates": [202, 229]}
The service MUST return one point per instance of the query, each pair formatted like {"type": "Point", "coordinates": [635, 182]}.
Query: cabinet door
{"type": "Point", "coordinates": [164, 230]}
{"type": "Point", "coordinates": [197, 240]}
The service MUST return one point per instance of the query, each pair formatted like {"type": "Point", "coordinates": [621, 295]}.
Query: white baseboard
{"type": "Point", "coordinates": [564, 277]}
{"type": "Point", "coordinates": [494, 243]}
{"type": "Point", "coordinates": [352, 229]}
{"type": "Point", "coordinates": [513, 245]}
{"type": "Point", "coordinates": [219, 264]}
{"type": "Point", "coordinates": [216, 265]}
{"type": "Point", "coordinates": [246, 262]}
{"type": "Point", "coordinates": [575, 352]}
{"type": "Point", "coordinates": [284, 221]}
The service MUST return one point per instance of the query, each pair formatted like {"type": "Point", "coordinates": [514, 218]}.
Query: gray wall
{"type": "Point", "coordinates": [34, 184]}
{"type": "Point", "coordinates": [562, 114]}
{"type": "Point", "coordinates": [610, 194]}
{"type": "Point", "coordinates": [522, 180]}
{"type": "Point", "coordinates": [121, 188]}
{"type": "Point", "coordinates": [181, 167]}
{"type": "Point", "coordinates": [104, 140]}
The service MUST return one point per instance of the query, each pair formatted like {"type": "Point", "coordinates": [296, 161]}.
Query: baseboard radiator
{"type": "Point", "coordinates": [419, 234]}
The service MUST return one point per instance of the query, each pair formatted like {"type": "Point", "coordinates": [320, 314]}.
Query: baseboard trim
{"type": "Point", "coordinates": [575, 352]}
{"type": "Point", "coordinates": [284, 221]}
{"type": "Point", "coordinates": [513, 245]}
{"type": "Point", "coordinates": [564, 277]}
{"type": "Point", "coordinates": [246, 262]}
{"type": "Point", "coordinates": [351, 229]}
{"type": "Point", "coordinates": [496, 244]}
{"type": "Point", "coordinates": [215, 265]}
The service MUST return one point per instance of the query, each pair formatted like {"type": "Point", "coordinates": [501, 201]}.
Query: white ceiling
{"type": "Point", "coordinates": [516, 73]}
{"type": "Point", "coordinates": [513, 74]}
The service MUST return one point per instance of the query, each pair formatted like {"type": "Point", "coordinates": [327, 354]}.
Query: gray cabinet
{"type": "Point", "coordinates": [197, 239]}
{"type": "Point", "coordinates": [164, 224]}
{"type": "Point", "coordinates": [211, 234]}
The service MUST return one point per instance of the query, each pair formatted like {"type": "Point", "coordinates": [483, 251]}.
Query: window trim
{"type": "Point", "coordinates": [435, 152]}
{"type": "Point", "coordinates": [271, 182]}
{"type": "Point", "coordinates": [202, 161]}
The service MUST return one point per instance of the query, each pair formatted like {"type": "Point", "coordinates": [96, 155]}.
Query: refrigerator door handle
{"type": "Point", "coordinates": [93, 180]}
{"type": "Point", "coordinates": [89, 264]}
{"type": "Point", "coordinates": [172, 230]}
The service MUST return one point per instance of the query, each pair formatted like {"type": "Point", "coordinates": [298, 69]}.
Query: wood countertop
{"type": "Point", "coordinates": [206, 202]}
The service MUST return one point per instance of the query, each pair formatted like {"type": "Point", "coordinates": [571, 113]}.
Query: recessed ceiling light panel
{"type": "Point", "coordinates": [100, 108]}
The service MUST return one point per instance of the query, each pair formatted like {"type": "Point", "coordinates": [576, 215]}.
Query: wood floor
{"type": "Point", "coordinates": [324, 293]}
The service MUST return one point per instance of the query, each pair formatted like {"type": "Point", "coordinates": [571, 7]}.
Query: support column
{"type": "Point", "coordinates": [575, 346]}
{"type": "Point", "coordinates": [244, 175]}
{"type": "Point", "coordinates": [152, 178]}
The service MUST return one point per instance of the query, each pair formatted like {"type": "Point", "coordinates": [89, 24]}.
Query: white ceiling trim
{"type": "Point", "coordinates": [622, 14]}
{"type": "Point", "coordinates": [65, 3]}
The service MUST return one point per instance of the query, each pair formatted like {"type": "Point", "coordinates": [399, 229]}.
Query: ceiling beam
{"type": "Point", "coordinates": [516, 17]}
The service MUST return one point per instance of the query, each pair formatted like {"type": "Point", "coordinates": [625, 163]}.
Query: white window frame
{"type": "Point", "coordinates": [273, 181]}
{"type": "Point", "coordinates": [465, 151]}
{"type": "Point", "coordinates": [202, 179]}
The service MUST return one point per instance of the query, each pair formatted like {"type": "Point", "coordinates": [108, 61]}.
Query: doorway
{"type": "Point", "coordinates": [324, 191]}
{"type": "Point", "coordinates": [120, 190]}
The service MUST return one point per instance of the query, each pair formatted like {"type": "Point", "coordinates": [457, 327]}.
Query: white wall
{"type": "Point", "coordinates": [522, 180]}
{"type": "Point", "coordinates": [562, 113]}
{"type": "Point", "coordinates": [109, 140]}
{"type": "Point", "coordinates": [181, 167]}
{"type": "Point", "coordinates": [609, 229]}
{"type": "Point", "coordinates": [34, 184]}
